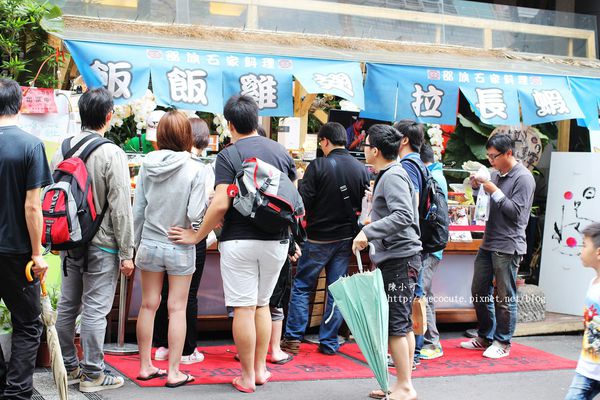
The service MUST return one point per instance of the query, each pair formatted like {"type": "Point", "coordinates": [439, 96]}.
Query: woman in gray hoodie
{"type": "Point", "coordinates": [170, 192]}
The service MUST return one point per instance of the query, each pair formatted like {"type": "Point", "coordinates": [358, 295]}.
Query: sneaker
{"type": "Point", "coordinates": [326, 350]}
{"type": "Point", "coordinates": [475, 344]}
{"type": "Point", "coordinates": [162, 353]}
{"type": "Point", "coordinates": [290, 346]}
{"type": "Point", "coordinates": [416, 362]}
{"type": "Point", "coordinates": [497, 350]}
{"type": "Point", "coordinates": [390, 361]}
{"type": "Point", "coordinates": [193, 358]}
{"type": "Point", "coordinates": [431, 353]}
{"type": "Point", "coordinates": [74, 376]}
{"type": "Point", "coordinates": [105, 381]}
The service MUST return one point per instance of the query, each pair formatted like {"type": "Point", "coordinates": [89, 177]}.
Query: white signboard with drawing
{"type": "Point", "coordinates": [595, 141]}
{"type": "Point", "coordinates": [573, 202]}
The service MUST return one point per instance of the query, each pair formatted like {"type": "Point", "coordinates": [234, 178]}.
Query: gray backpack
{"type": "Point", "coordinates": [266, 196]}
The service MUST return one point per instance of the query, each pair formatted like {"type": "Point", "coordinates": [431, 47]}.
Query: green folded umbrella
{"type": "Point", "coordinates": [363, 303]}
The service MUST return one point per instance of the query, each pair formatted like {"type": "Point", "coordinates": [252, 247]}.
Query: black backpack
{"type": "Point", "coordinates": [433, 212]}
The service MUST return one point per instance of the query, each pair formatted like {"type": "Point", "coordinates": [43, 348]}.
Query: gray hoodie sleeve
{"type": "Point", "coordinates": [139, 208]}
{"type": "Point", "coordinates": [398, 198]}
{"type": "Point", "coordinates": [198, 200]}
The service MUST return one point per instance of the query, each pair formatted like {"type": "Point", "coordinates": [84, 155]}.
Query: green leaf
{"type": "Point", "coordinates": [476, 144]}
{"type": "Point", "coordinates": [477, 126]}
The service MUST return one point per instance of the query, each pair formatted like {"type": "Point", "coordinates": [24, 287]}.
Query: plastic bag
{"type": "Point", "coordinates": [367, 206]}
{"type": "Point", "coordinates": [482, 205]}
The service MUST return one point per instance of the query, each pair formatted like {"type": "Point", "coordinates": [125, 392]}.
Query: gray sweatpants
{"type": "Point", "coordinates": [91, 293]}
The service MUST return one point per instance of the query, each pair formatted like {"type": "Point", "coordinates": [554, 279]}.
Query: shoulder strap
{"type": "Point", "coordinates": [344, 191]}
{"type": "Point", "coordinates": [92, 146]}
{"type": "Point", "coordinates": [236, 159]}
{"type": "Point", "coordinates": [424, 180]}
{"type": "Point", "coordinates": [68, 151]}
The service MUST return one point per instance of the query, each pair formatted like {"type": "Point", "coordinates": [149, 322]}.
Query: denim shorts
{"type": "Point", "coordinates": [174, 259]}
{"type": "Point", "coordinates": [399, 279]}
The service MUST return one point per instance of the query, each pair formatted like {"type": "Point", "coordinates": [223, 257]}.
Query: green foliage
{"type": "Point", "coordinates": [24, 27]}
{"type": "Point", "coordinates": [5, 322]}
{"type": "Point", "coordinates": [467, 143]}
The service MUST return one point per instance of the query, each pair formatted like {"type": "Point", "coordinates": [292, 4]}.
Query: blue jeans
{"type": "Point", "coordinates": [334, 257]}
{"type": "Point", "coordinates": [497, 315]}
{"type": "Point", "coordinates": [582, 388]}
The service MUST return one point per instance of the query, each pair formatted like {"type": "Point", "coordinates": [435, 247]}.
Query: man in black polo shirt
{"type": "Point", "coordinates": [24, 171]}
{"type": "Point", "coordinates": [251, 259]}
{"type": "Point", "coordinates": [331, 226]}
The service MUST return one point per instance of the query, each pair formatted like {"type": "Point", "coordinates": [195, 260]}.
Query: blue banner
{"type": "Point", "coordinates": [343, 79]}
{"type": "Point", "coordinates": [587, 93]}
{"type": "Point", "coordinates": [546, 99]}
{"type": "Point", "coordinates": [430, 95]}
{"type": "Point", "coordinates": [123, 70]}
{"type": "Point", "coordinates": [203, 80]}
{"type": "Point", "coordinates": [188, 87]}
{"type": "Point", "coordinates": [272, 91]}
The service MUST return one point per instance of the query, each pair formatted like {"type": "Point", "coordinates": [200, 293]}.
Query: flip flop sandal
{"type": "Point", "coordinates": [188, 379]}
{"type": "Point", "coordinates": [267, 379]}
{"type": "Point", "coordinates": [377, 394]}
{"type": "Point", "coordinates": [240, 387]}
{"type": "Point", "coordinates": [284, 361]}
{"type": "Point", "coordinates": [158, 374]}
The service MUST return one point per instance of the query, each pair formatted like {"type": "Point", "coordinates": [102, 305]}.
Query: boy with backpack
{"type": "Point", "coordinates": [92, 268]}
{"type": "Point", "coordinates": [433, 207]}
{"type": "Point", "coordinates": [586, 382]}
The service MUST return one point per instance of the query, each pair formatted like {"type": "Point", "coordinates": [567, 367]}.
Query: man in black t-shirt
{"type": "Point", "coordinates": [250, 258]}
{"type": "Point", "coordinates": [23, 172]}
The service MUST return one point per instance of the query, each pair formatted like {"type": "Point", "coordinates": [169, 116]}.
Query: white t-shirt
{"type": "Point", "coordinates": [589, 359]}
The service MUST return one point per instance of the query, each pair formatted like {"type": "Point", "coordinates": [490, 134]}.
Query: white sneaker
{"type": "Point", "coordinates": [74, 376]}
{"type": "Point", "coordinates": [105, 381]}
{"type": "Point", "coordinates": [162, 353]}
{"type": "Point", "coordinates": [497, 350]}
{"type": "Point", "coordinates": [193, 358]}
{"type": "Point", "coordinates": [475, 344]}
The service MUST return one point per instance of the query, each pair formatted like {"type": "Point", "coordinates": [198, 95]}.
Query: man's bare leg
{"type": "Point", "coordinates": [244, 336]}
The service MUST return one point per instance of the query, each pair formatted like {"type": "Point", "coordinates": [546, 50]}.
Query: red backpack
{"type": "Point", "coordinates": [69, 214]}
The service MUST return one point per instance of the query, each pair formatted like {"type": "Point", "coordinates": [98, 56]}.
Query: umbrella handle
{"type": "Point", "coordinates": [29, 277]}
{"type": "Point", "coordinates": [359, 259]}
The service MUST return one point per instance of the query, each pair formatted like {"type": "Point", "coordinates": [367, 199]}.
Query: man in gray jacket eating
{"type": "Point", "coordinates": [394, 231]}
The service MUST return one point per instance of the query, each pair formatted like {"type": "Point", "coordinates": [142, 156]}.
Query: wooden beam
{"type": "Point", "coordinates": [302, 100]}
{"type": "Point", "coordinates": [321, 115]}
{"type": "Point", "coordinates": [488, 39]}
{"type": "Point", "coordinates": [564, 135]}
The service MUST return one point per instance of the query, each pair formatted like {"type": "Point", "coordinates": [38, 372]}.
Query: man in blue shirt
{"type": "Point", "coordinates": [408, 155]}
{"type": "Point", "coordinates": [431, 340]}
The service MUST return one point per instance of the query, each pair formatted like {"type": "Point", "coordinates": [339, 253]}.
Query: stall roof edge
{"type": "Point", "coordinates": [416, 54]}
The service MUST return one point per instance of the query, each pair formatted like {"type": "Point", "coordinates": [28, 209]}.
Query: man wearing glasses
{"type": "Point", "coordinates": [511, 188]}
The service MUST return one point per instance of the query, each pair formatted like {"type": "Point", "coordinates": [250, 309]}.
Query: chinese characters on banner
{"type": "Point", "coordinates": [431, 95]}
{"type": "Point", "coordinates": [201, 80]}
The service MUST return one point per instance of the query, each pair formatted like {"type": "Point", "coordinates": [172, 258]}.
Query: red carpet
{"type": "Point", "coordinates": [220, 367]}
{"type": "Point", "coordinates": [459, 361]}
